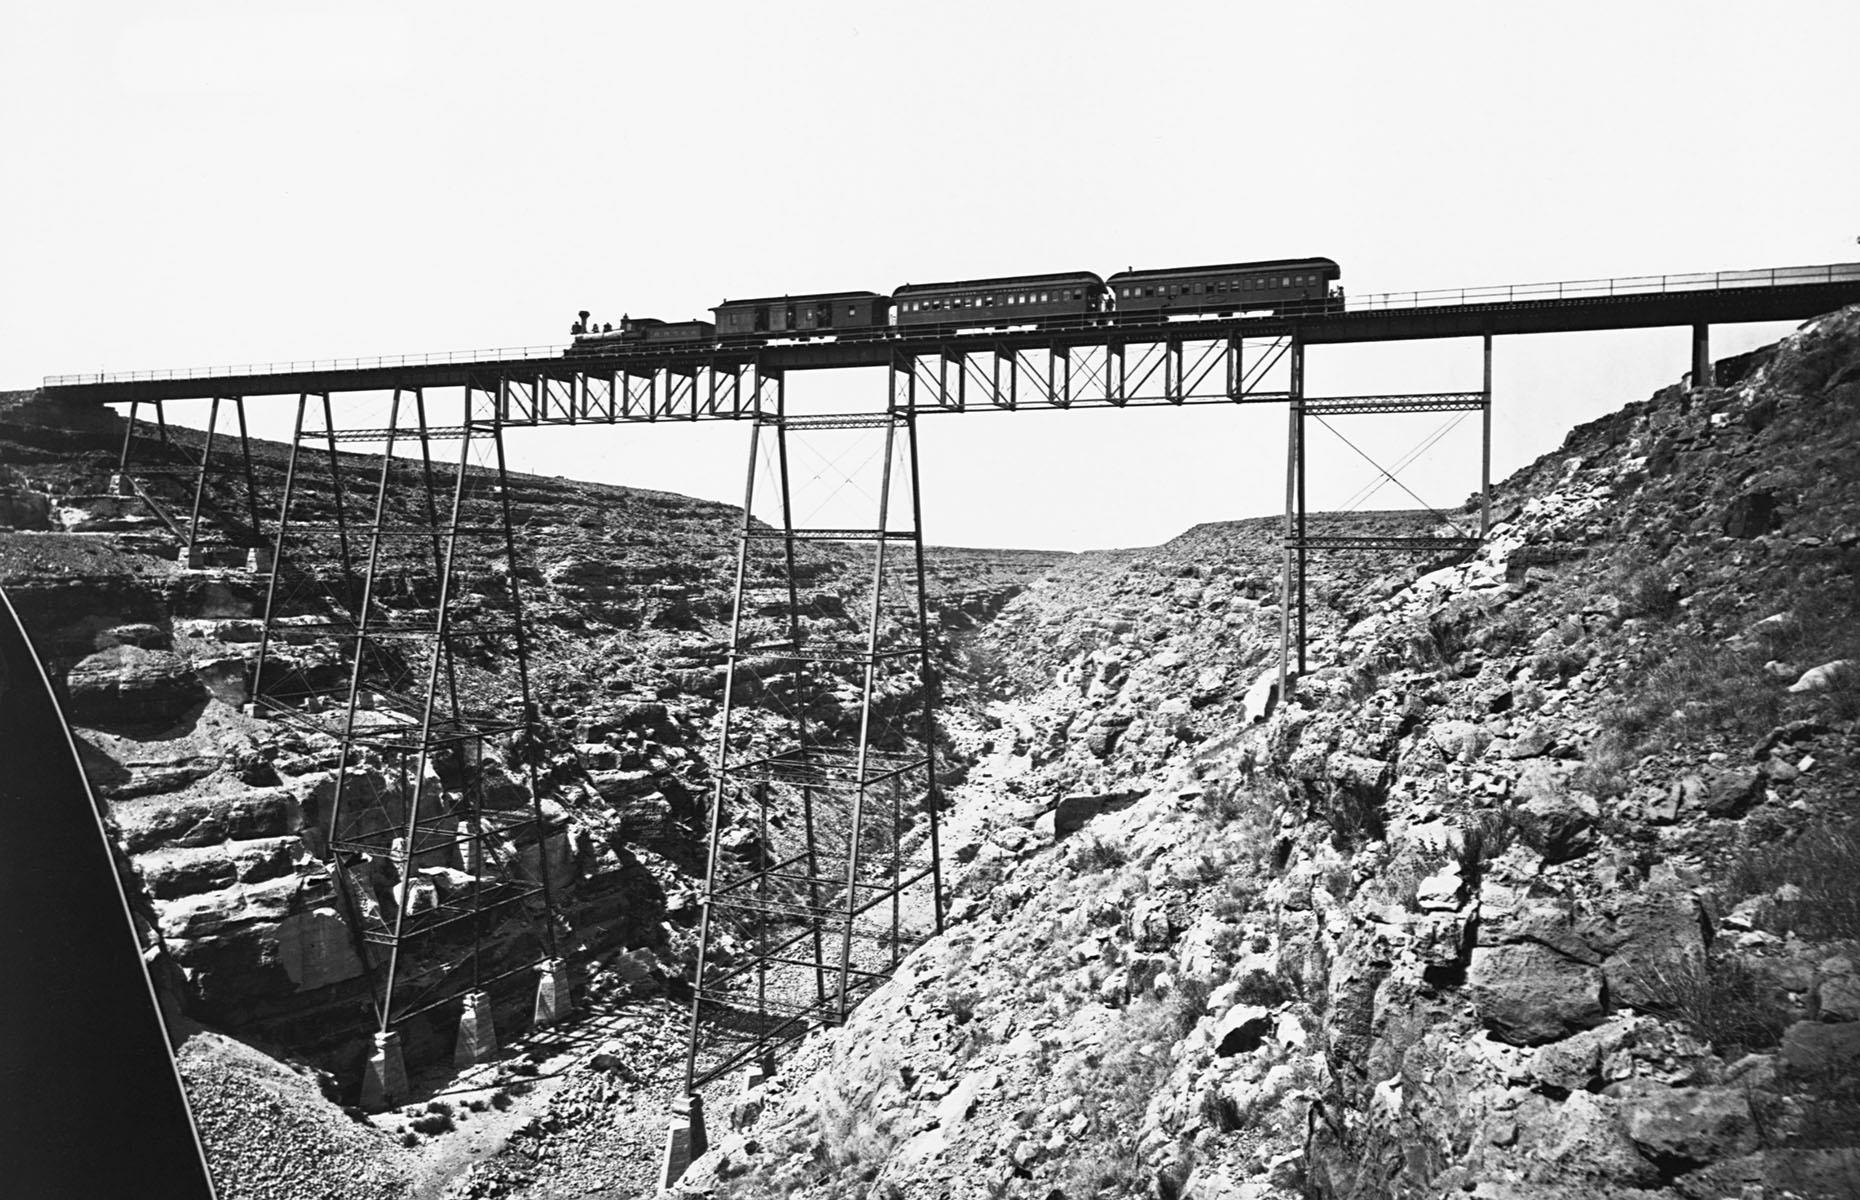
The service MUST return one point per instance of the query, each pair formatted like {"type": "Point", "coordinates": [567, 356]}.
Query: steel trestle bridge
{"type": "Point", "coordinates": [826, 911]}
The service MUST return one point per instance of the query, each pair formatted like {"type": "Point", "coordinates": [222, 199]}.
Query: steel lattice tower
{"type": "Point", "coordinates": [431, 851]}
{"type": "Point", "coordinates": [823, 865]}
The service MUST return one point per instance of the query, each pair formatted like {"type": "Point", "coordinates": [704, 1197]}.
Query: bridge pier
{"type": "Point", "coordinates": [1701, 355]}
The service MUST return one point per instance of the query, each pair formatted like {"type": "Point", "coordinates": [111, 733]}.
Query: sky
{"type": "Point", "coordinates": [190, 184]}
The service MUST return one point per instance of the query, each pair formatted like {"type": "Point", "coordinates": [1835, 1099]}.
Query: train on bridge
{"type": "Point", "coordinates": [1306, 285]}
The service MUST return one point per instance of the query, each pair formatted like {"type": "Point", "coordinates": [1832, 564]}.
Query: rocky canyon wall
{"type": "Point", "coordinates": [1540, 885]}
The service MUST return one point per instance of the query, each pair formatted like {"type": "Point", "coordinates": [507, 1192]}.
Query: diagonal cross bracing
{"type": "Point", "coordinates": [822, 859]}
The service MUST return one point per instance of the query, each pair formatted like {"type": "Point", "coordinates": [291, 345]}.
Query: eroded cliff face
{"type": "Point", "coordinates": [227, 817]}
{"type": "Point", "coordinates": [1541, 886]}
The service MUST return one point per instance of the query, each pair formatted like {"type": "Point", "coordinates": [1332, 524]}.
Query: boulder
{"type": "Point", "coordinates": [1685, 1127]}
{"type": "Point", "coordinates": [1151, 926]}
{"type": "Point", "coordinates": [1260, 699]}
{"type": "Point", "coordinates": [1730, 793]}
{"type": "Point", "coordinates": [1073, 811]}
{"type": "Point", "coordinates": [20, 506]}
{"type": "Point", "coordinates": [1812, 1047]}
{"type": "Point", "coordinates": [1101, 737]}
{"type": "Point", "coordinates": [1460, 741]}
{"type": "Point", "coordinates": [1654, 931]}
{"type": "Point", "coordinates": [1242, 1029]}
{"type": "Point", "coordinates": [128, 685]}
{"type": "Point", "coordinates": [1529, 994]}
{"type": "Point", "coordinates": [1564, 820]}
{"type": "Point", "coordinates": [1750, 515]}
{"type": "Point", "coordinates": [1440, 891]}
{"type": "Point", "coordinates": [1828, 676]}
{"type": "Point", "coordinates": [1837, 995]}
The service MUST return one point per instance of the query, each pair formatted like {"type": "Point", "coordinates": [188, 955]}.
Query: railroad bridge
{"type": "Point", "coordinates": [835, 911]}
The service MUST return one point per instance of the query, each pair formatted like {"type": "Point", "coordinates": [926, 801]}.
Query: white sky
{"type": "Point", "coordinates": [199, 183]}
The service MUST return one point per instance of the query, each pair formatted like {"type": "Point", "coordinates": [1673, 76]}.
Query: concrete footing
{"type": "Point", "coordinates": [477, 1037]}
{"type": "Point", "coordinates": [553, 1002]}
{"type": "Point", "coordinates": [258, 560]}
{"type": "Point", "coordinates": [120, 485]}
{"type": "Point", "coordinates": [684, 1139]}
{"type": "Point", "coordinates": [384, 1084]}
{"type": "Point", "coordinates": [748, 1107]}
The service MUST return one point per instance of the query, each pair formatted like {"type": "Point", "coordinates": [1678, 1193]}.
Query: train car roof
{"type": "Point", "coordinates": [1269, 264]}
{"type": "Point", "coordinates": [808, 296]}
{"type": "Point", "coordinates": [999, 282]}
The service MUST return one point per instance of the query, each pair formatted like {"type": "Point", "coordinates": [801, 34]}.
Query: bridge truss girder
{"type": "Point", "coordinates": [1115, 371]}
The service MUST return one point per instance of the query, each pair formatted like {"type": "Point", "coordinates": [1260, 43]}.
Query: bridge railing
{"type": "Point", "coordinates": [1632, 285]}
{"type": "Point", "coordinates": [441, 357]}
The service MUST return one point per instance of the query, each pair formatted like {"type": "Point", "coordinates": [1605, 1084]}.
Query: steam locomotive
{"type": "Point", "coordinates": [1275, 285]}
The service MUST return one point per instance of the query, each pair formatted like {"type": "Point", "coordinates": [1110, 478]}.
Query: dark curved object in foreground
{"type": "Point", "coordinates": [91, 1103]}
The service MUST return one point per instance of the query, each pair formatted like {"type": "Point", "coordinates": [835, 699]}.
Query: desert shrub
{"type": "Point", "coordinates": [1226, 943]}
{"type": "Point", "coordinates": [1117, 1085]}
{"type": "Point", "coordinates": [1490, 835]}
{"type": "Point", "coordinates": [961, 1003]}
{"type": "Point", "coordinates": [1234, 900]}
{"type": "Point", "coordinates": [500, 1100]}
{"type": "Point", "coordinates": [409, 1140]}
{"type": "Point", "coordinates": [1224, 801]}
{"type": "Point", "coordinates": [1697, 689]}
{"type": "Point", "coordinates": [1105, 1170]}
{"type": "Point", "coordinates": [1096, 854]}
{"type": "Point", "coordinates": [1497, 830]}
{"type": "Point", "coordinates": [1724, 1003]}
{"type": "Point", "coordinates": [1648, 592]}
{"type": "Point", "coordinates": [1337, 881]}
{"type": "Point", "coordinates": [1604, 769]}
{"type": "Point", "coordinates": [1403, 878]}
{"type": "Point", "coordinates": [1186, 1005]}
{"type": "Point", "coordinates": [1810, 882]}
{"type": "Point", "coordinates": [1263, 988]}
{"type": "Point", "coordinates": [1219, 1111]}
{"type": "Point", "coordinates": [1354, 817]}
{"type": "Point", "coordinates": [434, 1122]}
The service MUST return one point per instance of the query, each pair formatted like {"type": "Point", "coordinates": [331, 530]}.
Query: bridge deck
{"type": "Point", "coordinates": [1778, 294]}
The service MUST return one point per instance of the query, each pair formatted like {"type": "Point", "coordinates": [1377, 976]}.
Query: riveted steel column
{"type": "Point", "coordinates": [251, 484]}
{"type": "Point", "coordinates": [344, 883]}
{"type": "Point", "coordinates": [129, 432]}
{"type": "Point", "coordinates": [1290, 559]}
{"type": "Point", "coordinates": [200, 480]}
{"type": "Point", "coordinates": [1298, 400]}
{"type": "Point", "coordinates": [1485, 447]}
{"type": "Point", "coordinates": [412, 788]}
{"type": "Point", "coordinates": [865, 715]}
{"type": "Point", "coordinates": [723, 747]}
{"type": "Point", "coordinates": [277, 547]}
{"type": "Point", "coordinates": [795, 634]}
{"type": "Point", "coordinates": [926, 678]}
